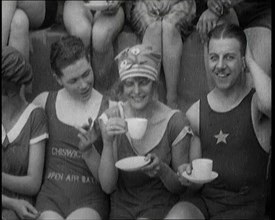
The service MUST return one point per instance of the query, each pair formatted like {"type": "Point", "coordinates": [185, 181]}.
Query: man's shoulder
{"type": "Point", "coordinates": [194, 108]}
{"type": "Point", "coordinates": [193, 114]}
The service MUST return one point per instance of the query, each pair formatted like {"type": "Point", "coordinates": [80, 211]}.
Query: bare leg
{"type": "Point", "coordinates": [15, 22]}
{"type": "Point", "coordinates": [8, 10]}
{"type": "Point", "coordinates": [152, 36]}
{"type": "Point", "coordinates": [78, 20]}
{"type": "Point", "coordinates": [83, 213]}
{"type": "Point", "coordinates": [50, 215]}
{"type": "Point", "coordinates": [184, 210]}
{"type": "Point", "coordinates": [259, 41]}
{"type": "Point", "coordinates": [35, 11]}
{"type": "Point", "coordinates": [172, 52]}
{"type": "Point", "coordinates": [105, 30]}
{"type": "Point", "coordinates": [19, 33]}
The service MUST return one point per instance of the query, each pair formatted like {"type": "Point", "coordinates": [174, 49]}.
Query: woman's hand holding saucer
{"type": "Point", "coordinates": [153, 169]}
{"type": "Point", "coordinates": [182, 168]}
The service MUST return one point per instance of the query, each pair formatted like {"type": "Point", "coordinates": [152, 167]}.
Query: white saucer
{"type": "Point", "coordinates": [131, 163]}
{"type": "Point", "coordinates": [192, 179]}
{"type": "Point", "coordinates": [97, 5]}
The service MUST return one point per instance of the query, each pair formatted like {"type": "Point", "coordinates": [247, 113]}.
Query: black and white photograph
{"type": "Point", "coordinates": [136, 109]}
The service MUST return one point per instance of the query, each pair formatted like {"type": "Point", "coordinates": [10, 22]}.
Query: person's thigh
{"type": "Point", "coordinates": [35, 11]}
{"type": "Point", "coordinates": [187, 210]}
{"type": "Point", "coordinates": [83, 213]}
{"type": "Point", "coordinates": [8, 10]}
{"type": "Point", "coordinates": [107, 27]}
{"type": "Point", "coordinates": [259, 41]}
{"type": "Point", "coordinates": [19, 33]}
{"type": "Point", "coordinates": [76, 15]}
{"type": "Point", "coordinates": [50, 215]}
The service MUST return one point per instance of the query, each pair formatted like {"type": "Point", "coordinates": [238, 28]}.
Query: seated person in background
{"type": "Point", "coordinates": [24, 131]}
{"type": "Point", "coordinates": [71, 189]}
{"type": "Point", "coordinates": [97, 29]}
{"type": "Point", "coordinates": [234, 127]}
{"type": "Point", "coordinates": [20, 16]}
{"type": "Point", "coordinates": [153, 190]}
{"type": "Point", "coordinates": [164, 24]}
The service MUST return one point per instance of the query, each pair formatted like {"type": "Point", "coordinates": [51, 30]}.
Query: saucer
{"type": "Point", "coordinates": [193, 179]}
{"type": "Point", "coordinates": [131, 163]}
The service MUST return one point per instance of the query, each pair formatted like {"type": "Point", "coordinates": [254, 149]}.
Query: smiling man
{"type": "Point", "coordinates": [233, 123]}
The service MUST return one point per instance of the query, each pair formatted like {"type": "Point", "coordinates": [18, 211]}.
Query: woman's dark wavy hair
{"type": "Point", "coordinates": [229, 31]}
{"type": "Point", "coordinates": [65, 52]}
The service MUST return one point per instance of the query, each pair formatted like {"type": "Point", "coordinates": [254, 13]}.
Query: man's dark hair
{"type": "Point", "coordinates": [229, 31]}
{"type": "Point", "coordinates": [66, 51]}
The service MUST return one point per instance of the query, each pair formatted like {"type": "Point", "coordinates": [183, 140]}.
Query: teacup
{"type": "Point", "coordinates": [136, 127]}
{"type": "Point", "coordinates": [202, 168]}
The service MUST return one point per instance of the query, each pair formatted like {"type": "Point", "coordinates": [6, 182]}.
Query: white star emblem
{"type": "Point", "coordinates": [221, 137]}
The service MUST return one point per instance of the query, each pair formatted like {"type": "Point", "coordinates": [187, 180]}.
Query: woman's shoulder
{"type": "Point", "coordinates": [38, 111]}
{"type": "Point", "coordinates": [179, 119]}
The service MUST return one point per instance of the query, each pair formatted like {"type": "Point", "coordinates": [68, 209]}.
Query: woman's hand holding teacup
{"type": "Point", "coordinates": [114, 126]}
{"type": "Point", "coordinates": [153, 169]}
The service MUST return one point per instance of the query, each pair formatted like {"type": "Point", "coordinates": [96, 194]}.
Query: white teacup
{"type": "Point", "coordinates": [136, 127]}
{"type": "Point", "coordinates": [202, 168]}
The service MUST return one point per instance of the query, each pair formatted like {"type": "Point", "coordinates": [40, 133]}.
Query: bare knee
{"type": "Point", "coordinates": [102, 38]}
{"type": "Point", "coordinates": [20, 22]}
{"type": "Point", "coordinates": [170, 30]}
{"type": "Point", "coordinates": [78, 20]}
{"type": "Point", "coordinates": [184, 210]}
